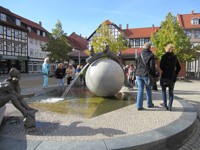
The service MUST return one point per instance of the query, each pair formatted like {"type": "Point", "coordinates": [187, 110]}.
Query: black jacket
{"type": "Point", "coordinates": [170, 66]}
{"type": "Point", "coordinates": [59, 73]}
{"type": "Point", "coordinates": [149, 59]}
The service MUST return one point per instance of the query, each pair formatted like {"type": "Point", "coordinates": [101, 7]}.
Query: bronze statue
{"type": "Point", "coordinates": [11, 91]}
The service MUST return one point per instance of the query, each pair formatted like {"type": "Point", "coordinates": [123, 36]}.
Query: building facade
{"type": "Point", "coordinates": [13, 43]}
{"type": "Point", "coordinates": [191, 25]}
{"type": "Point", "coordinates": [20, 43]}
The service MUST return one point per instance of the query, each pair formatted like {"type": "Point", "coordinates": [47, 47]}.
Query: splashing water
{"type": "Point", "coordinates": [73, 81]}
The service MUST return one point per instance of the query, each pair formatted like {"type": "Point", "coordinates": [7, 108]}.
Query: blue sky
{"type": "Point", "coordinates": [84, 16]}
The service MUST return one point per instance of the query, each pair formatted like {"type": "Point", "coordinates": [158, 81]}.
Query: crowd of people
{"type": "Point", "coordinates": [61, 72]}
{"type": "Point", "coordinates": [138, 74]}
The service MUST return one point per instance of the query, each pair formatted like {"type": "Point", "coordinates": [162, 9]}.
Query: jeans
{"type": "Point", "coordinates": [171, 95]}
{"type": "Point", "coordinates": [45, 80]}
{"type": "Point", "coordinates": [60, 81]}
{"type": "Point", "coordinates": [141, 81]}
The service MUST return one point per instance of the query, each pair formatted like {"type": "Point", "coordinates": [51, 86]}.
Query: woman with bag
{"type": "Point", "coordinates": [145, 65]}
{"type": "Point", "coordinates": [59, 75]}
{"type": "Point", "coordinates": [170, 68]}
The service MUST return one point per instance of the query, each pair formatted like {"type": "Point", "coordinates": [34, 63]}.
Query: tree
{"type": "Point", "coordinates": [58, 47]}
{"type": "Point", "coordinates": [104, 37]}
{"type": "Point", "coordinates": [172, 33]}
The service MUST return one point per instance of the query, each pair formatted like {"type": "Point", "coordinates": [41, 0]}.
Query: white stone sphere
{"type": "Point", "coordinates": [104, 77]}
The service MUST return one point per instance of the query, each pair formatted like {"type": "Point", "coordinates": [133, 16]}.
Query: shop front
{"type": "Point", "coordinates": [8, 62]}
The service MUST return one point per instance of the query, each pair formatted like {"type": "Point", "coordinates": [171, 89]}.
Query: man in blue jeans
{"type": "Point", "coordinates": [142, 75]}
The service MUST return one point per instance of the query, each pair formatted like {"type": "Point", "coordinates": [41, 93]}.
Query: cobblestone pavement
{"type": "Point", "coordinates": [185, 90]}
{"type": "Point", "coordinates": [190, 90]}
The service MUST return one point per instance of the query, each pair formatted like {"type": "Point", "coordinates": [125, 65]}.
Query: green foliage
{"type": "Point", "coordinates": [172, 33]}
{"type": "Point", "coordinates": [58, 47]}
{"type": "Point", "coordinates": [104, 37]}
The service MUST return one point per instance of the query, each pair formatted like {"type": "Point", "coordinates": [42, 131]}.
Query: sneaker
{"type": "Point", "coordinates": [164, 105]}
{"type": "Point", "coordinates": [140, 109]}
{"type": "Point", "coordinates": [151, 106]}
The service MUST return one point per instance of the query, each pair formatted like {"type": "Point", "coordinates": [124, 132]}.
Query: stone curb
{"type": "Point", "coordinates": [171, 136]}
{"type": "Point", "coordinates": [2, 112]}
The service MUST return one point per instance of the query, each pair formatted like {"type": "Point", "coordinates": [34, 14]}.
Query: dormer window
{"type": "Point", "coordinates": [29, 29]}
{"type": "Point", "coordinates": [18, 22]}
{"type": "Point", "coordinates": [3, 17]}
{"type": "Point", "coordinates": [43, 34]}
{"type": "Point", "coordinates": [195, 21]}
{"type": "Point", "coordinates": [38, 32]}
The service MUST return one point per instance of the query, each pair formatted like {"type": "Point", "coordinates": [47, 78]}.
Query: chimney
{"type": "Point", "coordinates": [192, 12]}
{"type": "Point", "coordinates": [120, 26]}
{"type": "Point", "coordinates": [126, 26]}
{"type": "Point", "coordinates": [40, 23]}
{"type": "Point", "coordinates": [152, 26]}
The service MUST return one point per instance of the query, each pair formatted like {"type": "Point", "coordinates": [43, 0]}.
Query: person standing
{"type": "Point", "coordinates": [154, 87]}
{"type": "Point", "coordinates": [142, 75]}
{"type": "Point", "coordinates": [170, 68]}
{"type": "Point", "coordinates": [69, 74]}
{"type": "Point", "coordinates": [45, 71]}
{"type": "Point", "coordinates": [60, 74]}
{"type": "Point", "coordinates": [131, 74]}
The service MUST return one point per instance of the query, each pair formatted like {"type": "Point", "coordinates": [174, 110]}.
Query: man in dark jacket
{"type": "Point", "coordinates": [142, 75]}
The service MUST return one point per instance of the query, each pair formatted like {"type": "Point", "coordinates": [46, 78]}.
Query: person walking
{"type": "Point", "coordinates": [170, 68]}
{"type": "Point", "coordinates": [142, 71]}
{"type": "Point", "coordinates": [60, 74]}
{"type": "Point", "coordinates": [45, 71]}
{"type": "Point", "coordinates": [69, 74]}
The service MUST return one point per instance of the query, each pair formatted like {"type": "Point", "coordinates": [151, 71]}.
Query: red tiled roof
{"type": "Point", "coordinates": [24, 21]}
{"type": "Point", "coordinates": [74, 43]}
{"type": "Point", "coordinates": [185, 20]}
{"type": "Point", "coordinates": [78, 41]}
{"type": "Point", "coordinates": [8, 21]}
{"type": "Point", "coordinates": [140, 32]}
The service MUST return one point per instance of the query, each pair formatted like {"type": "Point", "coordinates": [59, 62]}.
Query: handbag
{"type": "Point", "coordinates": [165, 82]}
{"type": "Point", "coordinates": [151, 79]}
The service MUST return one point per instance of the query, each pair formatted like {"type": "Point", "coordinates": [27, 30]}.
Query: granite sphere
{"type": "Point", "coordinates": [104, 77]}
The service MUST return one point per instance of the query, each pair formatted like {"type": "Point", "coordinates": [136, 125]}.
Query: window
{"type": "Point", "coordinates": [16, 48]}
{"type": "Point", "coordinates": [31, 52]}
{"type": "Point", "coordinates": [146, 40]}
{"type": "Point", "coordinates": [43, 34]}
{"type": "Point", "coordinates": [1, 45]}
{"type": "Point", "coordinates": [1, 29]}
{"type": "Point", "coordinates": [31, 40]}
{"type": "Point", "coordinates": [38, 32]}
{"type": "Point", "coordinates": [188, 33]}
{"type": "Point", "coordinates": [29, 29]}
{"type": "Point", "coordinates": [36, 42]}
{"type": "Point", "coordinates": [16, 33]}
{"type": "Point", "coordinates": [3, 17]}
{"type": "Point", "coordinates": [36, 54]}
{"type": "Point", "coordinates": [24, 49]}
{"type": "Point", "coordinates": [8, 32]}
{"type": "Point", "coordinates": [18, 22]}
{"type": "Point", "coordinates": [137, 42]}
{"type": "Point", "coordinates": [195, 21]}
{"type": "Point", "coordinates": [9, 47]}
{"type": "Point", "coordinates": [23, 35]}
{"type": "Point", "coordinates": [197, 33]}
